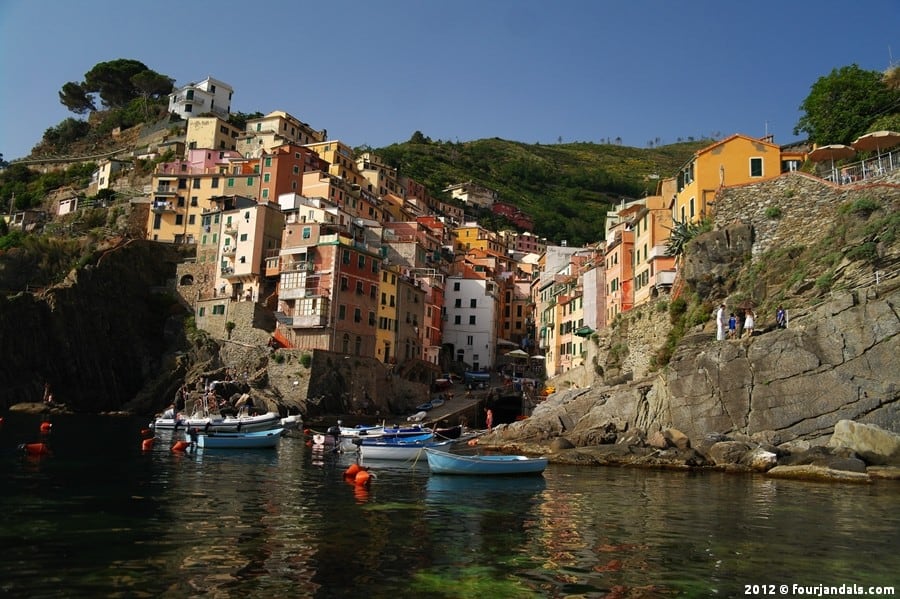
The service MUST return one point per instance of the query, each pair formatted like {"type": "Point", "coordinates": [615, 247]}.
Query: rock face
{"type": "Point", "coordinates": [875, 445]}
{"type": "Point", "coordinates": [97, 337]}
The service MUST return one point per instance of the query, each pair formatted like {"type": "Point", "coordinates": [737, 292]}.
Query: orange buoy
{"type": "Point", "coordinates": [472, 442]}
{"type": "Point", "coordinates": [36, 449]}
{"type": "Point", "coordinates": [180, 446]}
{"type": "Point", "coordinates": [46, 426]}
{"type": "Point", "coordinates": [147, 444]}
{"type": "Point", "coordinates": [352, 471]}
{"type": "Point", "coordinates": [362, 478]}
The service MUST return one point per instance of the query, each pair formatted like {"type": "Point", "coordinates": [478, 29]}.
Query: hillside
{"type": "Point", "coordinates": [566, 188]}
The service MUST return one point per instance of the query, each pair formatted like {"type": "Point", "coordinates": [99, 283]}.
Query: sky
{"type": "Point", "coordinates": [373, 73]}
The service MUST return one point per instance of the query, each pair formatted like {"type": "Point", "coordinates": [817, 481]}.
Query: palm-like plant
{"type": "Point", "coordinates": [681, 234]}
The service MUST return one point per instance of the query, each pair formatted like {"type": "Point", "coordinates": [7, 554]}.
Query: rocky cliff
{"type": "Point", "coordinates": [794, 241]}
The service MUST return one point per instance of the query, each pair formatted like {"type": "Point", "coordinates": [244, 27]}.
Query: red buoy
{"type": "Point", "coordinates": [352, 471]}
{"type": "Point", "coordinates": [362, 478]}
{"type": "Point", "coordinates": [180, 446]}
{"type": "Point", "coordinates": [147, 444]}
{"type": "Point", "coordinates": [46, 426]}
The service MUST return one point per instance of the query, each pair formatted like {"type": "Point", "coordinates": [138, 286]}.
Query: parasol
{"type": "Point", "coordinates": [878, 141]}
{"type": "Point", "coordinates": [831, 152]}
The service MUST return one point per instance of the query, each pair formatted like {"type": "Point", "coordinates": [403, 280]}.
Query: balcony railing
{"type": "Point", "coordinates": [163, 207]}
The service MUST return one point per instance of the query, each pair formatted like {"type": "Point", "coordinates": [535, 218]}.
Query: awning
{"type": "Point", "coordinates": [506, 343]}
{"type": "Point", "coordinates": [583, 331]}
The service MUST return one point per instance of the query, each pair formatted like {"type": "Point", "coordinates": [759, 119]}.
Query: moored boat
{"type": "Point", "coordinates": [442, 462]}
{"type": "Point", "coordinates": [218, 423]}
{"type": "Point", "coordinates": [398, 450]}
{"type": "Point", "coordinates": [244, 440]}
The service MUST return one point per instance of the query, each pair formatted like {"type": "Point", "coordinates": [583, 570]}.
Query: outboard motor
{"type": "Point", "coordinates": [335, 432]}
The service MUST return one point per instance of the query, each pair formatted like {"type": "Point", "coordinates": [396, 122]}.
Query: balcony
{"type": "Point", "coordinates": [309, 321]}
{"type": "Point", "coordinates": [298, 267]}
{"type": "Point", "coordinates": [229, 250]}
{"type": "Point", "coordinates": [665, 278]}
{"type": "Point", "coordinates": [184, 99]}
{"type": "Point", "coordinates": [165, 190]}
{"type": "Point", "coordinates": [160, 207]}
{"type": "Point", "coordinates": [230, 229]}
{"type": "Point", "coordinates": [294, 293]}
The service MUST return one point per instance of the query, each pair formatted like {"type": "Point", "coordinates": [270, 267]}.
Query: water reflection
{"type": "Point", "coordinates": [100, 517]}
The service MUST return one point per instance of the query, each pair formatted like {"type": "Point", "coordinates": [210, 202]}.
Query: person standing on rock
{"type": "Point", "coordinates": [749, 318]}
{"type": "Point", "coordinates": [732, 326]}
{"type": "Point", "coordinates": [720, 323]}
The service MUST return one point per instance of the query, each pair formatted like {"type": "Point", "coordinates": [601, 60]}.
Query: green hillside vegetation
{"type": "Point", "coordinates": [566, 188]}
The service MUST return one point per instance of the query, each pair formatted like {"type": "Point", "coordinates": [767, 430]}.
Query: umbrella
{"type": "Point", "coordinates": [541, 358]}
{"type": "Point", "coordinates": [878, 141]}
{"type": "Point", "coordinates": [517, 353]}
{"type": "Point", "coordinates": [831, 152]}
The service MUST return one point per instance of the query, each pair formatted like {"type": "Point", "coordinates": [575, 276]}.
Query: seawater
{"type": "Point", "coordinates": [102, 518]}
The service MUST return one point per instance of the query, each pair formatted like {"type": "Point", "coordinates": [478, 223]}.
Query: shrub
{"type": "Point", "coordinates": [773, 212]}
{"type": "Point", "coordinates": [305, 360]}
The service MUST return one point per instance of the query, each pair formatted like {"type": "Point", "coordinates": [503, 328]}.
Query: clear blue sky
{"type": "Point", "coordinates": [375, 72]}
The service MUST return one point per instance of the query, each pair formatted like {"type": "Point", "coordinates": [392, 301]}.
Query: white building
{"type": "Point", "coordinates": [210, 95]}
{"type": "Point", "coordinates": [470, 304]}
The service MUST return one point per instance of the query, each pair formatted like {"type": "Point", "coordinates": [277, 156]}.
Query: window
{"type": "Point", "coordinates": [756, 167]}
{"type": "Point", "coordinates": [196, 184]}
{"type": "Point", "coordinates": [218, 309]}
{"type": "Point", "coordinates": [250, 181]}
{"type": "Point", "coordinates": [266, 177]}
{"type": "Point", "coordinates": [243, 237]}
{"type": "Point", "coordinates": [342, 312]}
{"type": "Point", "coordinates": [457, 319]}
{"type": "Point", "coordinates": [194, 201]}
{"type": "Point", "coordinates": [191, 219]}
{"type": "Point", "coordinates": [362, 261]}
{"type": "Point", "coordinates": [470, 340]}
{"type": "Point", "coordinates": [268, 161]}
{"type": "Point", "coordinates": [201, 312]}
{"type": "Point", "coordinates": [265, 193]}
{"type": "Point", "coordinates": [345, 256]}
{"type": "Point", "coordinates": [458, 303]}
{"type": "Point", "coordinates": [345, 284]}
{"type": "Point", "coordinates": [472, 319]}
{"type": "Point", "coordinates": [188, 108]}
{"type": "Point", "coordinates": [473, 303]}
{"type": "Point", "coordinates": [179, 219]}
{"type": "Point", "coordinates": [230, 182]}
{"type": "Point", "coordinates": [456, 286]}
{"type": "Point", "coordinates": [357, 315]}
{"type": "Point", "coordinates": [182, 184]}
{"type": "Point", "coordinates": [359, 288]}
{"type": "Point", "coordinates": [307, 232]}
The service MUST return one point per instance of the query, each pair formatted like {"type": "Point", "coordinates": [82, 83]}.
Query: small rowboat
{"type": "Point", "coordinates": [442, 462]}
{"type": "Point", "coordinates": [251, 440]}
{"type": "Point", "coordinates": [400, 450]}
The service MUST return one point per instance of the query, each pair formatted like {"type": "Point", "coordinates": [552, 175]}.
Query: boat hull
{"type": "Point", "coordinates": [252, 440]}
{"type": "Point", "coordinates": [441, 462]}
{"type": "Point", "coordinates": [244, 424]}
{"type": "Point", "coordinates": [398, 451]}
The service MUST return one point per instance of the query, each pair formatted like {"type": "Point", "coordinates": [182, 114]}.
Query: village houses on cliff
{"type": "Point", "coordinates": [340, 252]}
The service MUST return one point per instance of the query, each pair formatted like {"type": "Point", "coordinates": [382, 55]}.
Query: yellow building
{"type": "Point", "coordinates": [474, 236]}
{"type": "Point", "coordinates": [183, 190]}
{"type": "Point", "coordinates": [211, 132]}
{"type": "Point", "coordinates": [342, 163]}
{"type": "Point", "coordinates": [277, 128]}
{"type": "Point", "coordinates": [732, 161]}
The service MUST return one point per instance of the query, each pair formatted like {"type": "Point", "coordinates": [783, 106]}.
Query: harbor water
{"type": "Point", "coordinates": [100, 517]}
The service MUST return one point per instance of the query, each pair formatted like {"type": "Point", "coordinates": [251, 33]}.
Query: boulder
{"type": "Point", "coordinates": [561, 443]}
{"type": "Point", "coordinates": [759, 459]}
{"type": "Point", "coordinates": [872, 443]}
{"type": "Point", "coordinates": [728, 452]}
{"type": "Point", "coordinates": [658, 440]}
{"type": "Point", "coordinates": [676, 438]}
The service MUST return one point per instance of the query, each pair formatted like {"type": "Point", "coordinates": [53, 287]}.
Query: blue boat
{"type": "Point", "coordinates": [442, 462]}
{"type": "Point", "coordinates": [255, 439]}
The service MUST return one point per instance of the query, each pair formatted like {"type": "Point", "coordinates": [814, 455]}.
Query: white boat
{"type": "Point", "coordinates": [218, 423]}
{"type": "Point", "coordinates": [399, 450]}
{"type": "Point", "coordinates": [442, 462]}
{"type": "Point", "coordinates": [292, 422]}
{"type": "Point", "coordinates": [251, 440]}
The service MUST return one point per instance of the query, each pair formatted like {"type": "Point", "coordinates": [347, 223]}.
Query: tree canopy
{"type": "Point", "coordinates": [843, 105]}
{"type": "Point", "coordinates": [116, 82]}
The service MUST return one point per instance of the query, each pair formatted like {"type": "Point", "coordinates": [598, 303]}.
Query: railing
{"type": "Point", "coordinates": [863, 170]}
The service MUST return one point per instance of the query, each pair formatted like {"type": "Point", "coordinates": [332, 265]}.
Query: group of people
{"type": "Point", "coordinates": [728, 329]}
